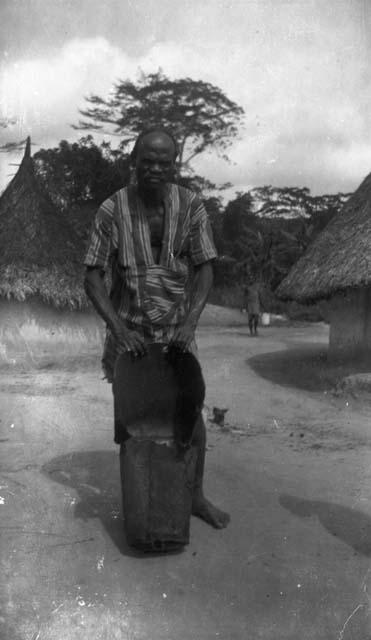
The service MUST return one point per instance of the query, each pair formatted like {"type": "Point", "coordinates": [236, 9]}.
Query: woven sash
{"type": "Point", "coordinates": [163, 293]}
{"type": "Point", "coordinates": [158, 290]}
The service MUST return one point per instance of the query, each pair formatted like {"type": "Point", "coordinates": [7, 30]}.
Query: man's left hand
{"type": "Point", "coordinates": [183, 337]}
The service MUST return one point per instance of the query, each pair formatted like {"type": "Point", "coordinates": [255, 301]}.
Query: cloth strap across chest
{"type": "Point", "coordinates": [159, 288]}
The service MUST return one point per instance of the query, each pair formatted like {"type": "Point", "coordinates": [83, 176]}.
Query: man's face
{"type": "Point", "coordinates": [155, 160]}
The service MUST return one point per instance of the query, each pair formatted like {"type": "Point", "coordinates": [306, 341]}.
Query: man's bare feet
{"type": "Point", "coordinates": [202, 508]}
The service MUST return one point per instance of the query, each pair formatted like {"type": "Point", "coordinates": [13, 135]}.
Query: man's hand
{"type": "Point", "coordinates": [129, 341]}
{"type": "Point", "coordinates": [183, 337]}
{"type": "Point", "coordinates": [185, 332]}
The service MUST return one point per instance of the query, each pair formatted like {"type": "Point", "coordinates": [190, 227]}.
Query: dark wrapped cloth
{"type": "Point", "coordinates": [158, 400]}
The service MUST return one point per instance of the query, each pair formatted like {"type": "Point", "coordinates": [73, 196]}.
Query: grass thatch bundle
{"type": "Point", "coordinates": [61, 287]}
{"type": "Point", "coordinates": [339, 257]}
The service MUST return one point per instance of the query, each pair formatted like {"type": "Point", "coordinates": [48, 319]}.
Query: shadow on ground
{"type": "Point", "coordinates": [303, 367]}
{"type": "Point", "coordinates": [349, 525]}
{"type": "Point", "coordinates": [95, 476]}
{"type": "Point", "coordinates": [44, 363]}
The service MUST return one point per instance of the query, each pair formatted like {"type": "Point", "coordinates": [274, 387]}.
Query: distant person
{"type": "Point", "coordinates": [252, 303]}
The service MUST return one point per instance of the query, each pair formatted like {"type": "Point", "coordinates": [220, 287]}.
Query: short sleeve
{"type": "Point", "coordinates": [103, 237]}
{"type": "Point", "coordinates": [202, 248]}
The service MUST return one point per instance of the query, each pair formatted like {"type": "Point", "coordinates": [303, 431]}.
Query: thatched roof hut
{"type": "Point", "coordinates": [339, 258]}
{"type": "Point", "coordinates": [41, 271]}
{"type": "Point", "coordinates": [40, 254]}
{"type": "Point", "coordinates": [337, 267]}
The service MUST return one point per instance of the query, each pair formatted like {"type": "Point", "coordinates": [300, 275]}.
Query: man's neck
{"type": "Point", "coordinates": [152, 196]}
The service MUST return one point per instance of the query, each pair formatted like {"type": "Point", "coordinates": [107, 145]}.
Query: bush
{"type": "Point", "coordinates": [306, 312]}
{"type": "Point", "coordinates": [232, 296]}
{"type": "Point", "coordinates": [227, 296]}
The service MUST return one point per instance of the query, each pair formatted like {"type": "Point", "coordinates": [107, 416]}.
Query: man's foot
{"type": "Point", "coordinates": [202, 508]}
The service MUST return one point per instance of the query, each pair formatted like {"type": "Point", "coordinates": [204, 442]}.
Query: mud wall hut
{"type": "Point", "coordinates": [44, 312]}
{"type": "Point", "coordinates": [337, 267]}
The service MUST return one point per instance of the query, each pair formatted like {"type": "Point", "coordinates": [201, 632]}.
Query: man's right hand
{"type": "Point", "coordinates": [130, 341]}
{"type": "Point", "coordinates": [127, 340]}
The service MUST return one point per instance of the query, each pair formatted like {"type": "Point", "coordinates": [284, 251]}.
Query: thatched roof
{"type": "Point", "coordinates": [40, 254]}
{"type": "Point", "coordinates": [339, 258]}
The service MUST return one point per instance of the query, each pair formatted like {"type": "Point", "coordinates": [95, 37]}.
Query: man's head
{"type": "Point", "coordinates": [154, 156]}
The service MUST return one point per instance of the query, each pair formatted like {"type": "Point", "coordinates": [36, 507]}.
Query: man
{"type": "Point", "coordinates": [252, 304]}
{"type": "Point", "coordinates": [150, 232]}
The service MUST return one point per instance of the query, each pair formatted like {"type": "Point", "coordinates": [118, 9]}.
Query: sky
{"type": "Point", "coordinates": [299, 68]}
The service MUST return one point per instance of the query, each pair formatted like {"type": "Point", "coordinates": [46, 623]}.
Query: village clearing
{"type": "Point", "coordinates": [292, 464]}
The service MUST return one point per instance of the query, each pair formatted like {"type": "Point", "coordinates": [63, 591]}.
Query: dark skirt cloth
{"type": "Point", "coordinates": [161, 386]}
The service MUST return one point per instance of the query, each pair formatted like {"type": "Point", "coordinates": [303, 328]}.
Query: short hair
{"type": "Point", "coordinates": [148, 131]}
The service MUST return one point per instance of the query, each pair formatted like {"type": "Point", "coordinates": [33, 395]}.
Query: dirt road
{"type": "Point", "coordinates": [292, 465]}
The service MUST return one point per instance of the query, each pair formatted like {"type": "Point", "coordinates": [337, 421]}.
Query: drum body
{"type": "Point", "coordinates": [157, 488]}
{"type": "Point", "coordinates": [157, 477]}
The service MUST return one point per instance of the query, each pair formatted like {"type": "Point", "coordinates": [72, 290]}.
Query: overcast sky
{"type": "Point", "coordinates": [299, 68]}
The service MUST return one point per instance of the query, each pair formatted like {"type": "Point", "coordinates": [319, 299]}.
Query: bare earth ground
{"type": "Point", "coordinates": [292, 465]}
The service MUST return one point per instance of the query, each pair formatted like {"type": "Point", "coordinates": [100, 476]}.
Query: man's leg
{"type": "Point", "coordinates": [251, 323]}
{"type": "Point", "coordinates": [201, 507]}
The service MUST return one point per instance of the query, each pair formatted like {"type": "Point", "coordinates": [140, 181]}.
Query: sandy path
{"type": "Point", "coordinates": [292, 466]}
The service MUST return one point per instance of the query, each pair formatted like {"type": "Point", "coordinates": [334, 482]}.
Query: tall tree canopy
{"type": "Point", "coordinates": [268, 228]}
{"type": "Point", "coordinates": [198, 113]}
{"type": "Point", "coordinates": [295, 202]}
{"type": "Point", "coordinates": [80, 172]}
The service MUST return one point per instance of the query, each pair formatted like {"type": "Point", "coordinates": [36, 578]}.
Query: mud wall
{"type": "Point", "coordinates": [350, 325]}
{"type": "Point", "coordinates": [33, 332]}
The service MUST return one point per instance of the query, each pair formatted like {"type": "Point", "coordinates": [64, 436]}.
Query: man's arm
{"type": "Point", "coordinates": [96, 291]}
{"type": "Point", "coordinates": [202, 283]}
{"type": "Point", "coordinates": [201, 252]}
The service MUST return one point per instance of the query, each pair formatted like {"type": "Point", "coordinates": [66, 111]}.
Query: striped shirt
{"type": "Point", "coordinates": [151, 298]}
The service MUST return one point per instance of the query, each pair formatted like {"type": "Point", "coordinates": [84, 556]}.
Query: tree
{"type": "Point", "coordinates": [198, 113]}
{"type": "Point", "coordinates": [8, 147]}
{"type": "Point", "coordinates": [288, 220]}
{"type": "Point", "coordinates": [238, 217]}
{"type": "Point", "coordinates": [282, 202]}
{"type": "Point", "coordinates": [6, 122]}
{"type": "Point", "coordinates": [262, 239]}
{"type": "Point", "coordinates": [80, 172]}
{"type": "Point", "coordinates": [296, 203]}
{"type": "Point", "coordinates": [196, 183]}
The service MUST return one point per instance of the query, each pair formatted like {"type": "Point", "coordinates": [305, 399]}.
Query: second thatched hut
{"type": "Point", "coordinates": [337, 267]}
